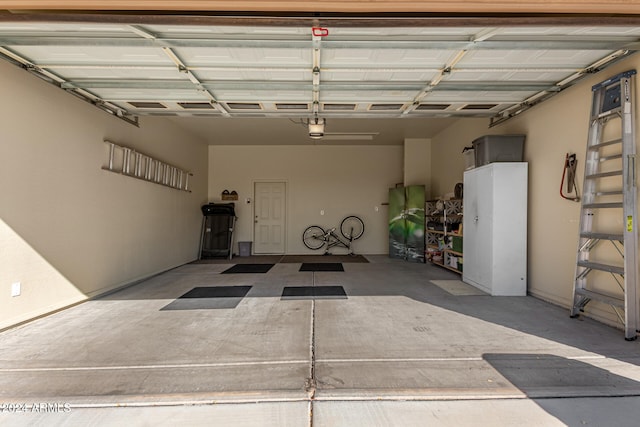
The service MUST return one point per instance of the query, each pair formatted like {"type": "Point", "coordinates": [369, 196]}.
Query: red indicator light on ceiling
{"type": "Point", "coordinates": [320, 32]}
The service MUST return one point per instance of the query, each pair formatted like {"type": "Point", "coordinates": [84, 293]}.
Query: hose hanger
{"type": "Point", "coordinates": [569, 172]}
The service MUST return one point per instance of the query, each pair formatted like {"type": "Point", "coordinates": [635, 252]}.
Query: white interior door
{"type": "Point", "coordinates": [270, 219]}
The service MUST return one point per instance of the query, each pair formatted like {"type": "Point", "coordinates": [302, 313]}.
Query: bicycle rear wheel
{"type": "Point", "coordinates": [352, 227]}
{"type": "Point", "coordinates": [313, 237]}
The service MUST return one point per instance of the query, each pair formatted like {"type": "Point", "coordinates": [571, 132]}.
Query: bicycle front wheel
{"type": "Point", "coordinates": [352, 227]}
{"type": "Point", "coordinates": [313, 237]}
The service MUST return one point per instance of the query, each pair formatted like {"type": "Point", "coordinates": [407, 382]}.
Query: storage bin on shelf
{"type": "Point", "coordinates": [498, 148]}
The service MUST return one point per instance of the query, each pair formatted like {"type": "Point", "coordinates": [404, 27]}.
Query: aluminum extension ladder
{"type": "Point", "coordinates": [610, 188]}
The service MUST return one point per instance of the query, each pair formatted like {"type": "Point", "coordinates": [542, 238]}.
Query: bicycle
{"type": "Point", "coordinates": [315, 237]}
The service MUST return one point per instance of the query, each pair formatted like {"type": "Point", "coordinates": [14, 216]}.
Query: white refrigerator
{"type": "Point", "coordinates": [495, 228]}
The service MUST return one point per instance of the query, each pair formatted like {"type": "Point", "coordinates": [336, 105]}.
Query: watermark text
{"type": "Point", "coordinates": [41, 407]}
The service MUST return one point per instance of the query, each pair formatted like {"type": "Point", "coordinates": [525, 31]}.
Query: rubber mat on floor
{"type": "Point", "coordinates": [210, 298]}
{"type": "Point", "coordinates": [313, 292]}
{"type": "Point", "coordinates": [299, 259]}
{"type": "Point", "coordinates": [248, 268]}
{"type": "Point", "coordinates": [324, 266]}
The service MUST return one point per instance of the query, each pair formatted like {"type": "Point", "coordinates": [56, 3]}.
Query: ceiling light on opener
{"type": "Point", "coordinates": [316, 128]}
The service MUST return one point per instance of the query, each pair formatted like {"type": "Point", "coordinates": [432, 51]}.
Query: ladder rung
{"type": "Point", "coordinates": [607, 113]}
{"type": "Point", "coordinates": [609, 193]}
{"type": "Point", "coordinates": [601, 205]}
{"type": "Point", "coordinates": [602, 236]}
{"type": "Point", "coordinates": [603, 174]}
{"type": "Point", "coordinates": [604, 144]}
{"type": "Point", "coordinates": [611, 157]}
{"type": "Point", "coordinates": [597, 296]}
{"type": "Point", "coordinates": [602, 267]}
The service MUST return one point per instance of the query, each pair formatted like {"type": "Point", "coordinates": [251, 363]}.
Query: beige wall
{"type": "Point", "coordinates": [68, 229]}
{"type": "Point", "coordinates": [417, 163]}
{"type": "Point", "coordinates": [341, 180]}
{"type": "Point", "coordinates": [447, 163]}
{"type": "Point", "coordinates": [553, 128]}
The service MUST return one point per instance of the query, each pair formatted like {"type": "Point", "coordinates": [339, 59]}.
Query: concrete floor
{"type": "Point", "coordinates": [398, 351]}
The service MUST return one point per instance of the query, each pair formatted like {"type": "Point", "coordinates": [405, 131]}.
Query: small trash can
{"type": "Point", "coordinates": [244, 248]}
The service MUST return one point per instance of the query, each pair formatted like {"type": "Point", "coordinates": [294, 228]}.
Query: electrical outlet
{"type": "Point", "coordinates": [322, 212]}
{"type": "Point", "coordinates": [15, 289]}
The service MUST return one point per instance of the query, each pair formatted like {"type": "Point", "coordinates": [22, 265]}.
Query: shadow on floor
{"type": "Point", "coordinates": [545, 377]}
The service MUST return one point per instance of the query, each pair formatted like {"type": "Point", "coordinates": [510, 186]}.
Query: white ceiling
{"type": "Point", "coordinates": [283, 131]}
{"type": "Point", "coordinates": [205, 75]}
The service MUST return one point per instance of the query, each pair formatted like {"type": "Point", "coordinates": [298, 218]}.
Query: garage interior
{"type": "Point", "coordinates": [94, 263]}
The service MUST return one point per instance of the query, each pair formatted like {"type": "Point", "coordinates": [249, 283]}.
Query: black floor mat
{"type": "Point", "coordinates": [299, 259]}
{"type": "Point", "coordinates": [248, 268]}
{"type": "Point", "coordinates": [313, 292]}
{"type": "Point", "coordinates": [209, 298]}
{"type": "Point", "coordinates": [325, 266]}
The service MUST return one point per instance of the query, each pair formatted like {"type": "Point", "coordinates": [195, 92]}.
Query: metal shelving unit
{"type": "Point", "coordinates": [445, 214]}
